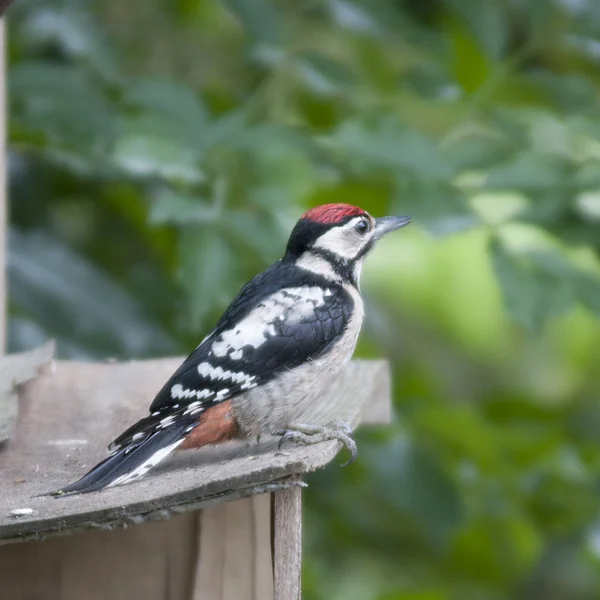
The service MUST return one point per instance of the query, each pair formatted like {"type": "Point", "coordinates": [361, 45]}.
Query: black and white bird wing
{"type": "Point", "coordinates": [278, 322]}
{"type": "Point", "coordinates": [276, 333]}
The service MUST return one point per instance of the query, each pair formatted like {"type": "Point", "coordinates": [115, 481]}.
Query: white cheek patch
{"type": "Point", "coordinates": [343, 241]}
{"type": "Point", "coordinates": [314, 263]}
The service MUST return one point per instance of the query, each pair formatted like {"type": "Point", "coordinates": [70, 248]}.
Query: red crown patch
{"type": "Point", "coordinates": [329, 214]}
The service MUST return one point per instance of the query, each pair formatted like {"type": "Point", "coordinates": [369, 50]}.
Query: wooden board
{"type": "Point", "coordinates": [67, 418]}
{"type": "Point", "coordinates": [287, 543]}
{"type": "Point", "coordinates": [16, 370]}
{"type": "Point", "coordinates": [221, 553]}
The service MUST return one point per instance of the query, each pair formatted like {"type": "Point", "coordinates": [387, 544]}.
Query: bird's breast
{"type": "Point", "coordinates": [289, 396]}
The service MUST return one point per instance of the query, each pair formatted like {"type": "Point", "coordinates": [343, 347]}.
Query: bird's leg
{"type": "Point", "coordinates": [301, 433]}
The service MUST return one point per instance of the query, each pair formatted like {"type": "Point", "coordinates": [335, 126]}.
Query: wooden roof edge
{"type": "Point", "coordinates": [68, 415]}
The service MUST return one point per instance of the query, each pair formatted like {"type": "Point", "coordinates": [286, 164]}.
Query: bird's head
{"type": "Point", "coordinates": [333, 239]}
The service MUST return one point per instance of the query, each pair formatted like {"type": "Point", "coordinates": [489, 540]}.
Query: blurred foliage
{"type": "Point", "coordinates": [160, 153]}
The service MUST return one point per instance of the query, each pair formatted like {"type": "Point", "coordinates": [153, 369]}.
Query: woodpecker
{"type": "Point", "coordinates": [282, 341]}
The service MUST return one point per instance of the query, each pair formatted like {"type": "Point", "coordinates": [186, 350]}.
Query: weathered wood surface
{"type": "Point", "coordinates": [221, 553]}
{"type": "Point", "coordinates": [287, 546]}
{"type": "Point", "coordinates": [15, 370]}
{"type": "Point", "coordinates": [67, 418]}
{"type": "Point", "coordinates": [234, 559]}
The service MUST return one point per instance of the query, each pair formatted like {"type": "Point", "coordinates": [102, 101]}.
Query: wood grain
{"type": "Point", "coordinates": [234, 558]}
{"type": "Point", "coordinates": [221, 553]}
{"type": "Point", "coordinates": [287, 531]}
{"type": "Point", "coordinates": [67, 417]}
{"type": "Point", "coordinates": [245, 549]}
{"type": "Point", "coordinates": [16, 370]}
{"type": "Point", "coordinates": [154, 562]}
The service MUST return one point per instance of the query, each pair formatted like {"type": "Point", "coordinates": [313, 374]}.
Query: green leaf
{"type": "Point", "coordinates": [486, 22]}
{"type": "Point", "coordinates": [257, 230]}
{"type": "Point", "coordinates": [498, 548]}
{"type": "Point", "coordinates": [143, 155]}
{"type": "Point", "coordinates": [461, 430]}
{"type": "Point", "coordinates": [585, 285]}
{"type": "Point", "coordinates": [69, 298]}
{"type": "Point", "coordinates": [72, 30]}
{"type": "Point", "coordinates": [169, 206]}
{"type": "Point", "coordinates": [260, 19]}
{"type": "Point", "coordinates": [534, 289]}
{"type": "Point", "coordinates": [206, 272]}
{"type": "Point", "coordinates": [477, 149]}
{"type": "Point", "coordinates": [416, 482]}
{"type": "Point", "coordinates": [471, 67]}
{"type": "Point", "coordinates": [387, 144]}
{"type": "Point", "coordinates": [64, 104]}
{"type": "Point", "coordinates": [174, 104]}
{"type": "Point", "coordinates": [527, 171]}
{"type": "Point", "coordinates": [323, 75]}
{"type": "Point", "coordinates": [439, 207]}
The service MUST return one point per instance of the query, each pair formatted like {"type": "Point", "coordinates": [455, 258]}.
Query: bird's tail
{"type": "Point", "coordinates": [130, 462]}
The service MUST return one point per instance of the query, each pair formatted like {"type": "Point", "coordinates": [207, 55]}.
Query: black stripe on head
{"type": "Point", "coordinates": [305, 234]}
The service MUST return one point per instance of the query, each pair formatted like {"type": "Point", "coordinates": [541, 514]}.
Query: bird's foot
{"type": "Point", "coordinates": [301, 433]}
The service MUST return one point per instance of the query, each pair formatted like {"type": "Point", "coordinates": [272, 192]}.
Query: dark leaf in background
{"type": "Point", "coordinates": [68, 298]}
{"type": "Point", "coordinates": [477, 148]}
{"type": "Point", "coordinates": [486, 22]}
{"type": "Point", "coordinates": [173, 99]}
{"type": "Point", "coordinates": [71, 30]}
{"type": "Point", "coordinates": [142, 154]}
{"type": "Point", "coordinates": [439, 207]}
{"type": "Point", "coordinates": [528, 171]}
{"type": "Point", "coordinates": [531, 295]}
{"type": "Point", "coordinates": [64, 104]}
{"type": "Point", "coordinates": [172, 207]}
{"type": "Point", "coordinates": [259, 18]}
{"type": "Point", "coordinates": [324, 76]}
{"type": "Point", "coordinates": [538, 285]}
{"type": "Point", "coordinates": [413, 480]}
{"type": "Point", "coordinates": [206, 273]}
{"type": "Point", "coordinates": [385, 143]}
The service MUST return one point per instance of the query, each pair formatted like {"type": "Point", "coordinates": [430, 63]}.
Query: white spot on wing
{"type": "Point", "coordinates": [290, 304]}
{"type": "Point", "coordinates": [177, 391]}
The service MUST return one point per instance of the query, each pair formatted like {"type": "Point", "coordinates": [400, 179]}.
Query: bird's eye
{"type": "Point", "coordinates": [362, 227]}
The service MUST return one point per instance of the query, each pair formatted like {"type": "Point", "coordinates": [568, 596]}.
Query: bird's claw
{"type": "Point", "coordinates": [300, 433]}
{"type": "Point", "coordinates": [286, 434]}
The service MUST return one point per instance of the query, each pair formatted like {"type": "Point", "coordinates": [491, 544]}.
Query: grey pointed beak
{"type": "Point", "coordinates": [384, 225]}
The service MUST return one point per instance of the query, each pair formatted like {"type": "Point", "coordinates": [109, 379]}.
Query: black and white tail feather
{"type": "Point", "coordinates": [128, 463]}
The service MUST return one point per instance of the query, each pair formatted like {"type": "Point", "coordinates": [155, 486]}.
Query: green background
{"type": "Point", "coordinates": [159, 154]}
